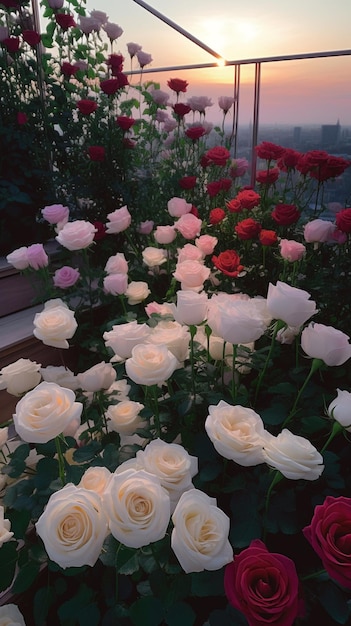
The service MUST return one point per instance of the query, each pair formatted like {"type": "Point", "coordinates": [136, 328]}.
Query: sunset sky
{"type": "Point", "coordinates": [298, 92]}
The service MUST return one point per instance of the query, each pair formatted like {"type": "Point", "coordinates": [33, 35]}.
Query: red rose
{"type": "Point", "coordinates": [31, 37]}
{"type": "Point", "coordinates": [216, 216]}
{"type": "Point", "coordinates": [194, 211]}
{"type": "Point", "coordinates": [268, 177]}
{"type": "Point", "coordinates": [96, 153]}
{"type": "Point", "coordinates": [195, 132]}
{"type": "Point", "coordinates": [285, 214]}
{"type": "Point", "coordinates": [329, 535]}
{"type": "Point", "coordinates": [124, 122]}
{"type": "Point", "coordinates": [214, 188]}
{"type": "Point", "coordinates": [187, 182]}
{"type": "Point", "coordinates": [248, 198]}
{"type": "Point", "coordinates": [100, 231]}
{"type": "Point", "coordinates": [11, 43]}
{"type": "Point", "coordinates": [218, 155]}
{"type": "Point", "coordinates": [181, 109]}
{"type": "Point", "coordinates": [234, 206]}
{"type": "Point", "coordinates": [289, 159]}
{"type": "Point", "coordinates": [343, 220]}
{"type": "Point", "coordinates": [204, 162]}
{"type": "Point", "coordinates": [268, 237]}
{"type": "Point", "coordinates": [263, 586]}
{"type": "Point", "coordinates": [248, 229]}
{"type": "Point", "coordinates": [86, 107]}
{"type": "Point", "coordinates": [21, 118]}
{"type": "Point", "coordinates": [110, 86]}
{"type": "Point", "coordinates": [331, 168]}
{"type": "Point", "coordinates": [226, 183]}
{"type": "Point", "coordinates": [177, 85]}
{"type": "Point", "coordinates": [269, 151]}
{"type": "Point", "coordinates": [115, 62]}
{"type": "Point", "coordinates": [65, 20]}
{"type": "Point", "coordinates": [129, 143]}
{"type": "Point", "coordinates": [68, 69]}
{"type": "Point", "coordinates": [228, 262]}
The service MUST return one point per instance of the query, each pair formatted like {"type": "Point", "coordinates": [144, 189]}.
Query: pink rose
{"type": "Point", "coordinates": [116, 284]}
{"type": "Point", "coordinates": [146, 227]}
{"type": "Point", "coordinates": [291, 250]}
{"type": "Point", "coordinates": [188, 225]}
{"type": "Point", "coordinates": [55, 213]}
{"type": "Point", "coordinates": [65, 277]}
{"type": "Point", "coordinates": [326, 343]}
{"type": "Point", "coordinates": [159, 309]}
{"type": "Point", "coordinates": [133, 48]}
{"type": "Point", "coordinates": [76, 235]}
{"type": "Point", "coordinates": [117, 264]}
{"type": "Point", "coordinates": [119, 221]}
{"type": "Point", "coordinates": [319, 231]}
{"type": "Point", "coordinates": [206, 243]}
{"type": "Point", "coordinates": [18, 258]}
{"type": "Point", "coordinates": [178, 207]}
{"type": "Point", "coordinates": [165, 234]}
{"type": "Point", "coordinates": [191, 275]}
{"type": "Point", "coordinates": [37, 256]}
{"type": "Point", "coordinates": [189, 253]}
{"type": "Point", "coordinates": [144, 58]}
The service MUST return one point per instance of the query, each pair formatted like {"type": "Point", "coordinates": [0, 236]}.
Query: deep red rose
{"type": "Point", "coordinates": [65, 20]}
{"type": "Point", "coordinates": [110, 86]}
{"type": "Point", "coordinates": [86, 107]}
{"type": "Point", "coordinates": [268, 237]}
{"type": "Point", "coordinates": [204, 162]}
{"type": "Point", "coordinates": [100, 232]}
{"type": "Point", "coordinates": [21, 118]}
{"type": "Point", "coordinates": [316, 157]}
{"type": "Point", "coordinates": [216, 216]}
{"type": "Point", "coordinates": [269, 151]}
{"type": "Point", "coordinates": [268, 177]}
{"type": "Point", "coordinates": [31, 37]}
{"type": "Point", "coordinates": [187, 182]}
{"type": "Point", "coordinates": [177, 85]}
{"type": "Point", "coordinates": [263, 585]}
{"type": "Point", "coordinates": [234, 206]}
{"type": "Point", "coordinates": [343, 220]}
{"type": "Point", "coordinates": [124, 122]}
{"type": "Point", "coordinates": [289, 159]}
{"type": "Point", "coordinates": [248, 198]}
{"type": "Point", "coordinates": [195, 132]}
{"type": "Point", "coordinates": [333, 167]}
{"type": "Point", "coordinates": [213, 189]}
{"type": "Point", "coordinates": [248, 229]}
{"type": "Point", "coordinates": [68, 69]}
{"type": "Point", "coordinates": [228, 262]}
{"type": "Point", "coordinates": [115, 62]}
{"type": "Point", "coordinates": [226, 183]}
{"type": "Point", "coordinates": [96, 153]}
{"type": "Point", "coordinates": [10, 4]}
{"type": "Point", "coordinates": [181, 109]}
{"type": "Point", "coordinates": [285, 214]}
{"type": "Point", "coordinates": [129, 143]}
{"type": "Point", "coordinates": [330, 536]}
{"type": "Point", "coordinates": [218, 155]}
{"type": "Point", "coordinates": [194, 211]}
{"type": "Point", "coordinates": [11, 44]}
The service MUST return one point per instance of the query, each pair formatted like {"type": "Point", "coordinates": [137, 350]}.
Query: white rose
{"type": "Point", "coordinates": [55, 324]}
{"type": "Point", "coordinates": [173, 335]}
{"type": "Point", "coordinates": [191, 307]}
{"type": "Point", "coordinates": [237, 321]}
{"type": "Point", "coordinates": [100, 376]}
{"type": "Point", "coordinates": [46, 412]}
{"type": "Point", "coordinates": [340, 408]}
{"type": "Point", "coordinates": [289, 304]}
{"type": "Point", "coordinates": [20, 376]}
{"type": "Point", "coordinates": [123, 337]}
{"type": "Point", "coordinates": [138, 508]}
{"type": "Point", "coordinates": [326, 343]}
{"type": "Point", "coordinates": [73, 527]}
{"type": "Point", "coordinates": [10, 615]}
{"type": "Point", "coordinates": [191, 274]}
{"type": "Point", "coordinates": [5, 525]}
{"type": "Point", "coordinates": [96, 479]}
{"type": "Point", "coordinates": [76, 235]}
{"type": "Point", "coordinates": [150, 364]}
{"type": "Point", "coordinates": [19, 258]}
{"type": "Point", "coordinates": [237, 433]}
{"type": "Point", "coordinates": [294, 456]}
{"type": "Point", "coordinates": [137, 291]}
{"type": "Point", "coordinates": [153, 257]}
{"type": "Point", "coordinates": [60, 375]}
{"type": "Point", "coordinates": [117, 264]}
{"type": "Point", "coordinates": [119, 390]}
{"type": "Point", "coordinates": [200, 534]}
{"type": "Point", "coordinates": [124, 418]}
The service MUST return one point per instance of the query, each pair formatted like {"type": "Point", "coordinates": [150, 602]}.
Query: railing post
{"type": "Point", "coordinates": [255, 121]}
{"type": "Point", "coordinates": [236, 88]}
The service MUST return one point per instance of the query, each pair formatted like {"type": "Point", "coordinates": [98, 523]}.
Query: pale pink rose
{"type": "Point", "coordinates": [189, 253]}
{"type": "Point", "coordinates": [168, 145]}
{"type": "Point", "coordinates": [116, 284]}
{"type": "Point", "coordinates": [189, 226]}
{"type": "Point", "coordinates": [88, 24]}
{"type": "Point", "coordinates": [81, 65]}
{"type": "Point", "coordinates": [291, 250]}
{"type": "Point", "coordinates": [169, 125]}
{"type": "Point", "coordinates": [55, 4]}
{"type": "Point", "coordinates": [153, 257]}
{"type": "Point", "coordinates": [191, 275]}
{"type": "Point", "coordinates": [119, 220]}
{"type": "Point", "coordinates": [199, 103]}
{"type": "Point", "coordinates": [18, 258]}
{"type": "Point", "coordinates": [123, 337]}
{"type": "Point", "coordinates": [326, 343]}
{"type": "Point", "coordinates": [178, 207]}
{"type": "Point", "coordinates": [339, 236]}
{"type": "Point", "coordinates": [37, 256]}
{"type": "Point", "coordinates": [146, 227]}
{"type": "Point", "coordinates": [161, 116]}
{"type": "Point", "coordinates": [144, 58]}
{"type": "Point", "coordinates": [99, 16]}
{"type": "Point", "coordinates": [160, 97]}
{"type": "Point", "coordinates": [165, 234]}
{"type": "Point", "coordinates": [137, 291]}
{"type": "Point", "coordinates": [225, 103]}
{"type": "Point", "coordinates": [133, 48]}
{"type": "Point", "coordinates": [159, 309]}
{"type": "Point", "coordinates": [319, 231]}
{"type": "Point", "coordinates": [117, 264]}
{"type": "Point", "coordinates": [76, 235]}
{"type": "Point", "coordinates": [206, 243]}
{"type": "Point", "coordinates": [238, 167]}
{"type": "Point", "coordinates": [55, 213]}
{"type": "Point", "coordinates": [66, 277]}
{"type": "Point", "coordinates": [113, 31]}
{"type": "Point", "coordinates": [208, 126]}
{"type": "Point", "coordinates": [191, 307]}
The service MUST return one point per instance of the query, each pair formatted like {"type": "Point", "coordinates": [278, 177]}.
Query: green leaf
{"type": "Point", "coordinates": [147, 611]}
{"type": "Point", "coordinates": [334, 601]}
{"type": "Point", "coordinates": [275, 414]}
{"type": "Point", "coordinates": [26, 576]}
{"type": "Point", "coordinates": [42, 601]}
{"type": "Point", "coordinates": [8, 561]}
{"type": "Point", "coordinates": [19, 522]}
{"type": "Point", "coordinates": [204, 584]}
{"type": "Point", "coordinates": [21, 452]}
{"type": "Point", "coordinates": [180, 613]}
{"type": "Point", "coordinates": [246, 521]}
{"type": "Point", "coordinates": [80, 608]}
{"type": "Point", "coordinates": [87, 453]}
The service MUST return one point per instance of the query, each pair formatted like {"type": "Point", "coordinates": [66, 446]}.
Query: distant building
{"type": "Point", "coordinates": [297, 135]}
{"type": "Point", "coordinates": [330, 134]}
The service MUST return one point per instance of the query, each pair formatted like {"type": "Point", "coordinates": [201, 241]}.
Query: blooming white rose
{"type": "Point", "coordinates": [150, 364]}
{"type": "Point", "coordinates": [10, 615]}
{"type": "Point", "coordinates": [96, 479]}
{"type": "Point", "coordinates": [153, 257]}
{"type": "Point", "coordinates": [191, 275]}
{"type": "Point", "coordinates": [138, 508]}
{"type": "Point", "coordinates": [123, 417]}
{"type": "Point", "coordinates": [55, 324]}
{"type": "Point", "coordinates": [340, 408]}
{"type": "Point", "coordinates": [236, 432]}
{"type": "Point", "coordinates": [117, 264]}
{"type": "Point", "coordinates": [19, 258]}
{"type": "Point", "coordinates": [191, 307]}
{"type": "Point", "coordinates": [200, 534]}
{"type": "Point", "coordinates": [76, 235]}
{"type": "Point", "coordinates": [136, 292]}
{"type": "Point", "coordinates": [237, 321]}
{"type": "Point", "coordinates": [123, 337]}
{"type": "Point", "coordinates": [289, 304]}
{"type": "Point", "coordinates": [100, 376]}
{"type": "Point", "coordinates": [173, 335]}
{"type": "Point", "coordinates": [294, 456]}
{"type": "Point", "coordinates": [118, 221]}
{"type": "Point", "coordinates": [61, 375]}
{"type": "Point", "coordinates": [5, 525]}
{"type": "Point", "coordinates": [326, 343]}
{"type": "Point", "coordinates": [73, 527]}
{"type": "Point", "coordinates": [46, 412]}
{"type": "Point", "coordinates": [20, 376]}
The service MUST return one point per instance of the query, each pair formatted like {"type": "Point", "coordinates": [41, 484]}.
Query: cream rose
{"type": "Point", "coordinates": [10, 615]}
{"type": "Point", "coordinates": [60, 375]}
{"type": "Point", "coordinates": [173, 335]}
{"type": "Point", "coordinates": [46, 412]}
{"type": "Point", "coordinates": [100, 376]}
{"type": "Point", "coordinates": [123, 337]}
{"type": "Point", "coordinates": [96, 479]}
{"type": "Point", "coordinates": [20, 376]}
{"type": "Point", "coordinates": [55, 324]}
{"type": "Point", "coordinates": [73, 527]}
{"type": "Point", "coordinates": [294, 456]}
{"type": "Point", "coordinates": [289, 304]}
{"type": "Point", "coordinates": [150, 364]}
{"type": "Point", "coordinates": [153, 257]}
{"type": "Point", "coordinates": [236, 432]}
{"type": "Point", "coordinates": [137, 291]}
{"type": "Point", "coordinates": [138, 508]}
{"type": "Point", "coordinates": [200, 534]}
{"type": "Point", "coordinates": [76, 235]}
{"type": "Point", "coordinates": [5, 525]}
{"type": "Point", "coordinates": [124, 418]}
